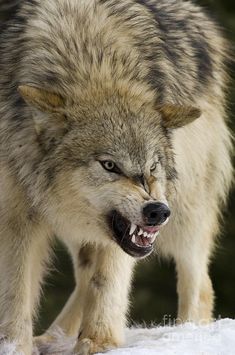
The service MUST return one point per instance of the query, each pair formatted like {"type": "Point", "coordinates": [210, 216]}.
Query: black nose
{"type": "Point", "coordinates": [155, 213]}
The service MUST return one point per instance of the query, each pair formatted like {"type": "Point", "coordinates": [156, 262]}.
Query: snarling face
{"type": "Point", "coordinates": [114, 163]}
{"type": "Point", "coordinates": [125, 179]}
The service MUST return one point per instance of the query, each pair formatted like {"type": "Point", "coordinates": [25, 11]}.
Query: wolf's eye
{"type": "Point", "coordinates": [110, 166]}
{"type": "Point", "coordinates": [153, 167]}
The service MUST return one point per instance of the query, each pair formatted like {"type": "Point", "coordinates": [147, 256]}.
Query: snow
{"type": "Point", "coordinates": [217, 338]}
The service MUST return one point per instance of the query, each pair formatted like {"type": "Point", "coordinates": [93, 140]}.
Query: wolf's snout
{"type": "Point", "coordinates": [155, 213]}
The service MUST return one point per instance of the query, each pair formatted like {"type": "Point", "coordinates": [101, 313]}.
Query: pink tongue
{"type": "Point", "coordinates": [151, 229]}
{"type": "Point", "coordinates": [142, 241]}
{"type": "Point", "coordinates": [145, 241]}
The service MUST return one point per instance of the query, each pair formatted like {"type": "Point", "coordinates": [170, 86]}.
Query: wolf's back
{"type": "Point", "coordinates": [171, 46]}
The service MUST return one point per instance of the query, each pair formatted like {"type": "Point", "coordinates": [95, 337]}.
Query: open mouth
{"type": "Point", "coordinates": [135, 240]}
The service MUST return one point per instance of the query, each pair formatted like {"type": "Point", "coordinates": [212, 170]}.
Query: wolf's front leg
{"type": "Point", "coordinates": [97, 307]}
{"type": "Point", "coordinates": [195, 292]}
{"type": "Point", "coordinates": [20, 265]}
{"type": "Point", "coordinates": [104, 316]}
{"type": "Point", "coordinates": [69, 320]}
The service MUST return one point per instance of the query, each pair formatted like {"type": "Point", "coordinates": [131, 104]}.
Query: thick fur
{"type": "Point", "coordinates": [61, 345]}
{"type": "Point", "coordinates": [84, 80]}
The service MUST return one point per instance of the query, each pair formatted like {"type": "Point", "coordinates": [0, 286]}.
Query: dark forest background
{"type": "Point", "coordinates": [154, 288]}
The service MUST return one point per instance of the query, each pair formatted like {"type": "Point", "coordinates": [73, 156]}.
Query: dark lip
{"type": "Point", "coordinates": [120, 227]}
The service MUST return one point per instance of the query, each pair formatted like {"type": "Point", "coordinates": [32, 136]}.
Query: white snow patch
{"type": "Point", "coordinates": [217, 338]}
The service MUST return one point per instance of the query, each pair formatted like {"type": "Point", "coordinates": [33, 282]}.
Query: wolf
{"type": "Point", "coordinates": [113, 137]}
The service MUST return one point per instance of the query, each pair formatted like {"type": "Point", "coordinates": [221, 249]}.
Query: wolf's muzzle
{"type": "Point", "coordinates": [138, 240]}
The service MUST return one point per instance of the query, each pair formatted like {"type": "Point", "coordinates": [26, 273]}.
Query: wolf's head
{"type": "Point", "coordinates": [108, 159]}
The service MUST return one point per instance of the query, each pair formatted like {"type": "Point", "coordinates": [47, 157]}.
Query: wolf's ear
{"type": "Point", "coordinates": [45, 101]}
{"type": "Point", "coordinates": [175, 116]}
{"type": "Point", "coordinates": [42, 99]}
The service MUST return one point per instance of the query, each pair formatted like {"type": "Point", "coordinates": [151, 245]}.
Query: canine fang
{"type": "Point", "coordinates": [133, 228]}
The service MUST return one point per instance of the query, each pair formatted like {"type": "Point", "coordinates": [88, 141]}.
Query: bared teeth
{"type": "Point", "coordinates": [141, 238]}
{"type": "Point", "coordinates": [133, 228]}
{"type": "Point", "coordinates": [133, 239]}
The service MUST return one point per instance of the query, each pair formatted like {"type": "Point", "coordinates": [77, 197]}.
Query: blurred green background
{"type": "Point", "coordinates": [154, 288]}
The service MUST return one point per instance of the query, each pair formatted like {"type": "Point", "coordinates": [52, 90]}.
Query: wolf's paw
{"type": "Point", "coordinates": [83, 347]}
{"type": "Point", "coordinates": [55, 342]}
{"type": "Point", "coordinates": [88, 347]}
{"type": "Point", "coordinates": [43, 339]}
{"type": "Point", "coordinates": [10, 347]}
